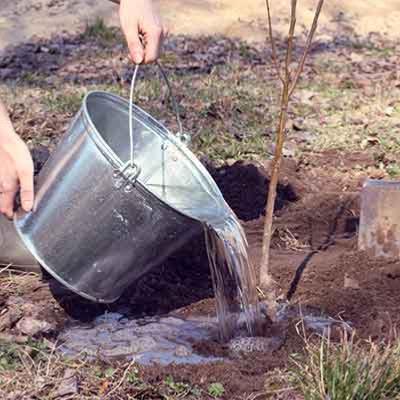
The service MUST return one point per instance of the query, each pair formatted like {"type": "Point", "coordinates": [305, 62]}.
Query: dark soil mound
{"type": "Point", "coordinates": [245, 188]}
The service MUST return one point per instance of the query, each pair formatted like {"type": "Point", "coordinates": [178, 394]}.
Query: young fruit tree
{"type": "Point", "coordinates": [289, 79]}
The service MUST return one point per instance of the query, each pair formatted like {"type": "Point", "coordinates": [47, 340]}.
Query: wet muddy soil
{"type": "Point", "coordinates": [314, 260]}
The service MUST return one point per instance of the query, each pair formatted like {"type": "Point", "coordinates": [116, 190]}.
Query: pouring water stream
{"type": "Point", "coordinates": [233, 276]}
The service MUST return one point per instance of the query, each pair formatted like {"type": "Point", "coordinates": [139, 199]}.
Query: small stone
{"type": "Point", "coordinates": [389, 111]}
{"type": "Point", "coordinates": [305, 96]}
{"type": "Point", "coordinates": [8, 338]}
{"type": "Point", "coordinates": [303, 137]}
{"type": "Point", "coordinates": [290, 124]}
{"type": "Point", "coordinates": [8, 319]}
{"type": "Point", "coordinates": [31, 326]}
{"type": "Point", "coordinates": [247, 345]}
{"type": "Point", "coordinates": [350, 283]}
{"type": "Point", "coordinates": [298, 124]}
{"type": "Point", "coordinates": [182, 351]}
{"type": "Point", "coordinates": [356, 57]}
{"type": "Point", "coordinates": [289, 150]}
{"type": "Point", "coordinates": [230, 161]}
{"type": "Point", "coordinates": [324, 38]}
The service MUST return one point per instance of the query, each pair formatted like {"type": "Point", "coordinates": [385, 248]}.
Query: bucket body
{"type": "Point", "coordinates": [96, 228]}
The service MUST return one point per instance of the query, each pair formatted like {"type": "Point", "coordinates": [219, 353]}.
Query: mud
{"type": "Point", "coordinates": [150, 340]}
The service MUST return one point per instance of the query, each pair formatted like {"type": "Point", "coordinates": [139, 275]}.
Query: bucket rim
{"type": "Point", "coordinates": [208, 183]}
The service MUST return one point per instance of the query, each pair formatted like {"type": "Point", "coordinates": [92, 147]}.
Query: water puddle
{"type": "Point", "coordinates": [162, 340]}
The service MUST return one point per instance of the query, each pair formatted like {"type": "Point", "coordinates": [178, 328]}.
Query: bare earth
{"type": "Point", "coordinates": [22, 19]}
{"type": "Point", "coordinates": [344, 127]}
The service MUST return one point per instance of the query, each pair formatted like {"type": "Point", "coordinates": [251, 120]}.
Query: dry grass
{"type": "Point", "coordinates": [287, 240]}
{"type": "Point", "coordinates": [36, 370]}
{"type": "Point", "coordinates": [350, 369]}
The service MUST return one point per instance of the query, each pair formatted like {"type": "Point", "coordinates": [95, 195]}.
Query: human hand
{"type": "Point", "coordinates": [16, 168]}
{"type": "Point", "coordinates": [143, 29]}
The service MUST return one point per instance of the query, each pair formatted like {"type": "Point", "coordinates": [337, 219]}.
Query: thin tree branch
{"type": "Point", "coordinates": [275, 61]}
{"type": "Point", "coordinates": [289, 50]}
{"type": "Point", "coordinates": [307, 48]}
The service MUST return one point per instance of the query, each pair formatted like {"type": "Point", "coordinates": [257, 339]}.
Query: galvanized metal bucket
{"type": "Point", "coordinates": [101, 220]}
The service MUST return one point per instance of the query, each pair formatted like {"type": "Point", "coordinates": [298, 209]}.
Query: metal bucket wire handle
{"type": "Point", "coordinates": [130, 170]}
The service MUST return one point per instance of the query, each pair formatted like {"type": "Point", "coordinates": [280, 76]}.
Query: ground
{"type": "Point", "coordinates": [21, 19]}
{"type": "Point", "coordinates": [344, 126]}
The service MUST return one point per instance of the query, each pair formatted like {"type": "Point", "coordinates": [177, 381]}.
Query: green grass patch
{"type": "Point", "coordinates": [9, 357]}
{"type": "Point", "coordinates": [216, 390]}
{"type": "Point", "coordinates": [99, 30]}
{"type": "Point", "coordinates": [67, 102]}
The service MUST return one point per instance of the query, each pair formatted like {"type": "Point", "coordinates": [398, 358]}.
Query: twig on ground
{"type": "Point", "coordinates": [113, 390]}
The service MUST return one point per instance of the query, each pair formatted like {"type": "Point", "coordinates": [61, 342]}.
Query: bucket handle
{"type": "Point", "coordinates": [183, 137]}
{"type": "Point", "coordinates": [130, 170]}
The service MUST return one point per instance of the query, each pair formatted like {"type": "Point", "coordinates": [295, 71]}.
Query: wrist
{"type": "Point", "coordinates": [7, 132]}
{"type": "Point", "coordinates": [8, 140]}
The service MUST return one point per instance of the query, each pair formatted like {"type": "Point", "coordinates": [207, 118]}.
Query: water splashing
{"type": "Point", "coordinates": [233, 277]}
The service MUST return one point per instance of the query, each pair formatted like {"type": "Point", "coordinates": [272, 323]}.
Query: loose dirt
{"type": "Point", "coordinates": [314, 260]}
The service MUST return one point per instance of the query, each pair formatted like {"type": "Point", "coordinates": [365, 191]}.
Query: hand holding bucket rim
{"type": "Point", "coordinates": [16, 168]}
